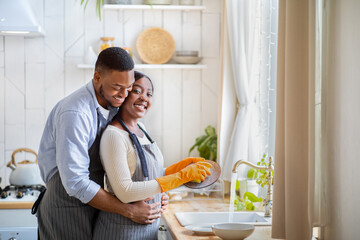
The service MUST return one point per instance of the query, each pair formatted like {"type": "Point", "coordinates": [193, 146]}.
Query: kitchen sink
{"type": "Point", "coordinates": [194, 218]}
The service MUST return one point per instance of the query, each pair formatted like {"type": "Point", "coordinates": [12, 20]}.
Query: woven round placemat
{"type": "Point", "coordinates": [155, 46]}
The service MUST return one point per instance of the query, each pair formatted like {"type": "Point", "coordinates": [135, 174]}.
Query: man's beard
{"type": "Point", "coordinates": [101, 92]}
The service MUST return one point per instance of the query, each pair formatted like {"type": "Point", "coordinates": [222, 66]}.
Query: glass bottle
{"type": "Point", "coordinates": [129, 51]}
{"type": "Point", "coordinates": [106, 42]}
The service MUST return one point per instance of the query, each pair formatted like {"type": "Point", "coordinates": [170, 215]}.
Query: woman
{"type": "Point", "coordinates": [136, 173]}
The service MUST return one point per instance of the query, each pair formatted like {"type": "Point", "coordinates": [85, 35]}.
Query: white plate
{"type": "Point", "coordinates": [200, 229]}
{"type": "Point", "coordinates": [187, 59]}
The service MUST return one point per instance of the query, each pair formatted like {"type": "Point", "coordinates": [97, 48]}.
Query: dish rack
{"type": "Point", "coordinates": [183, 193]}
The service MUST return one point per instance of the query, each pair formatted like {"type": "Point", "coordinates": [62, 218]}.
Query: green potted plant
{"type": "Point", "coordinates": [262, 177]}
{"type": "Point", "coordinates": [254, 188]}
{"type": "Point", "coordinates": [206, 144]}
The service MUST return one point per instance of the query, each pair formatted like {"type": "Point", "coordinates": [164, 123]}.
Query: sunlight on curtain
{"type": "Point", "coordinates": [319, 168]}
{"type": "Point", "coordinates": [249, 72]}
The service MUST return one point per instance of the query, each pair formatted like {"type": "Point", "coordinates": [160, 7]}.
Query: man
{"type": "Point", "coordinates": [69, 154]}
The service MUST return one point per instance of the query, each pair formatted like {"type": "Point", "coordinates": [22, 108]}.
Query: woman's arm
{"type": "Point", "coordinates": [115, 150]}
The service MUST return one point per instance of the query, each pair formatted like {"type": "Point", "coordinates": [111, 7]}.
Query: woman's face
{"type": "Point", "coordinates": [140, 98]}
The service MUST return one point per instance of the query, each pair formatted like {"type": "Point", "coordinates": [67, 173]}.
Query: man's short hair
{"type": "Point", "coordinates": [114, 58]}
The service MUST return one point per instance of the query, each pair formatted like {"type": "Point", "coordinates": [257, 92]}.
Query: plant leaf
{"type": "Point", "coordinates": [204, 143]}
{"type": "Point", "coordinates": [199, 140]}
{"type": "Point", "coordinates": [205, 153]}
{"type": "Point", "coordinates": [213, 148]}
{"type": "Point", "coordinates": [99, 4]}
{"type": "Point", "coordinates": [252, 197]}
{"type": "Point", "coordinates": [209, 130]}
{"type": "Point", "coordinates": [237, 186]}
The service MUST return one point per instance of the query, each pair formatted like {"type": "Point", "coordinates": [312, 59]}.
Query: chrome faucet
{"type": "Point", "coordinates": [267, 200]}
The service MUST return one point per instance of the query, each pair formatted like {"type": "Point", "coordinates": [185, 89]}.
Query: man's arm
{"type": "Point", "coordinates": [139, 212]}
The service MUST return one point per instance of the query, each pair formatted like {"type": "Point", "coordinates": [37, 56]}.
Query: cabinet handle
{"type": "Point", "coordinates": [162, 228]}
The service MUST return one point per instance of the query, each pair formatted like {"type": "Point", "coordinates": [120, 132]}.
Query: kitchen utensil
{"type": "Point", "coordinates": [215, 174]}
{"type": "Point", "coordinates": [155, 46]}
{"type": "Point", "coordinates": [25, 173]}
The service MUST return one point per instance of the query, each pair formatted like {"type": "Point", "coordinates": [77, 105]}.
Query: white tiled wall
{"type": "Point", "coordinates": [35, 73]}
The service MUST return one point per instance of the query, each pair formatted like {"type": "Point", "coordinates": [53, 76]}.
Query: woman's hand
{"type": "Point", "coordinates": [164, 201]}
{"type": "Point", "coordinates": [182, 164]}
{"type": "Point", "coordinates": [199, 170]}
{"type": "Point", "coordinates": [143, 212]}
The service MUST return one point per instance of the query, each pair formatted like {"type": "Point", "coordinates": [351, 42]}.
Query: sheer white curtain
{"type": "Point", "coordinates": [243, 44]}
{"type": "Point", "coordinates": [245, 112]}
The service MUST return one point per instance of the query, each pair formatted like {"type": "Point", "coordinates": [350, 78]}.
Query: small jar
{"type": "Point", "coordinates": [106, 42]}
{"type": "Point", "coordinates": [129, 51]}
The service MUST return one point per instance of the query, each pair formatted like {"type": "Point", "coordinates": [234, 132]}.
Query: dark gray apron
{"type": "Point", "coordinates": [63, 217]}
{"type": "Point", "coordinates": [112, 226]}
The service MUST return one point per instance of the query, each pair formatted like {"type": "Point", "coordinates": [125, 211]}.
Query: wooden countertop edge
{"type": "Point", "coordinates": [17, 205]}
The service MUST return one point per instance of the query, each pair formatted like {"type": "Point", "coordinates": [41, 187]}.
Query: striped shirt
{"type": "Point", "coordinates": [70, 130]}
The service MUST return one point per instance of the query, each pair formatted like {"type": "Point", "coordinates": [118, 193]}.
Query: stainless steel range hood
{"type": "Point", "coordinates": [18, 19]}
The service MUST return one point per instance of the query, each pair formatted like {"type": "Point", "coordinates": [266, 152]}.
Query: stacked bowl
{"type": "Point", "coordinates": [187, 57]}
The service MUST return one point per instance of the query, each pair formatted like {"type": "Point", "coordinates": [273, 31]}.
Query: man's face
{"type": "Point", "coordinates": [112, 87]}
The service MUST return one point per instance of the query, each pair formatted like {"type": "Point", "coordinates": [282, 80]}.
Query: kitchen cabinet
{"type": "Point", "coordinates": [16, 219]}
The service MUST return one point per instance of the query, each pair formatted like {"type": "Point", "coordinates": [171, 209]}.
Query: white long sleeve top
{"type": "Point", "coordinates": [118, 157]}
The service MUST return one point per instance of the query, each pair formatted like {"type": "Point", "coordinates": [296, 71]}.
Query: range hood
{"type": "Point", "coordinates": [18, 19]}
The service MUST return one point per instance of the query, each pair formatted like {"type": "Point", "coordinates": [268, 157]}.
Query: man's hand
{"type": "Point", "coordinates": [144, 213]}
{"type": "Point", "coordinates": [164, 201]}
{"type": "Point", "coordinates": [139, 212]}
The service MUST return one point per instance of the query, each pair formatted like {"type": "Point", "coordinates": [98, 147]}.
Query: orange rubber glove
{"type": "Point", "coordinates": [198, 170]}
{"type": "Point", "coordinates": [180, 165]}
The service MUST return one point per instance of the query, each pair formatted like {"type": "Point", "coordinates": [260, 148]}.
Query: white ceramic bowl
{"type": "Point", "coordinates": [186, 59]}
{"type": "Point", "coordinates": [187, 53]}
{"type": "Point", "coordinates": [228, 231]}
